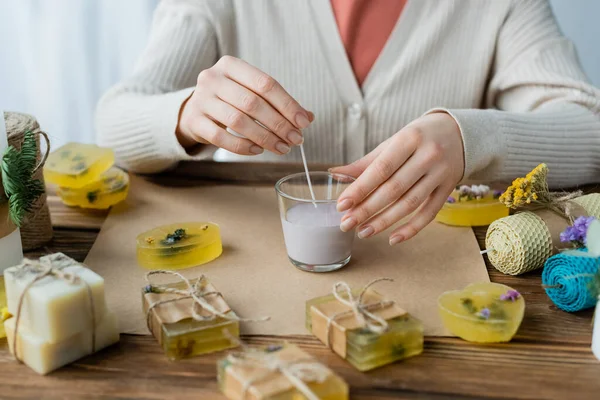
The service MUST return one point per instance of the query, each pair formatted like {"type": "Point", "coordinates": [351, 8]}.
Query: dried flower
{"type": "Point", "coordinates": [527, 190]}
{"type": "Point", "coordinates": [472, 192]}
{"type": "Point", "coordinates": [451, 200]}
{"type": "Point", "coordinates": [484, 313]}
{"type": "Point", "coordinates": [148, 289]}
{"type": "Point", "coordinates": [577, 233]}
{"type": "Point", "coordinates": [511, 295]}
{"type": "Point", "coordinates": [149, 240]}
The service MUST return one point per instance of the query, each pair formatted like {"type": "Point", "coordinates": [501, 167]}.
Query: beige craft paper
{"type": "Point", "coordinates": [254, 274]}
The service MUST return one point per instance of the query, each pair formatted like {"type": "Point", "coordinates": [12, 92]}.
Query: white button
{"type": "Point", "coordinates": [355, 111]}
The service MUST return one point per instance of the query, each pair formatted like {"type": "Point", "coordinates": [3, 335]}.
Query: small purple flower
{"type": "Point", "coordinates": [497, 194]}
{"type": "Point", "coordinates": [577, 233]}
{"type": "Point", "coordinates": [451, 200]}
{"type": "Point", "coordinates": [484, 313]}
{"type": "Point", "coordinates": [511, 295]}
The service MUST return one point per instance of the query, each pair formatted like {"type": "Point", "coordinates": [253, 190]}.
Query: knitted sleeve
{"type": "Point", "coordinates": [138, 116]}
{"type": "Point", "coordinates": [541, 107]}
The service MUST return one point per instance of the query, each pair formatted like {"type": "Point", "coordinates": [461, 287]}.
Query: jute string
{"type": "Point", "coordinates": [192, 291]}
{"type": "Point", "coordinates": [298, 372]}
{"type": "Point", "coordinates": [42, 270]}
{"type": "Point", "coordinates": [362, 312]}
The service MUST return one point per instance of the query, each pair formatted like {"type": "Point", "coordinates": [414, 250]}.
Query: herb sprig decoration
{"type": "Point", "coordinates": [18, 167]}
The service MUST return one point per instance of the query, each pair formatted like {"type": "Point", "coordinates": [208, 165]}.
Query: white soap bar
{"type": "Point", "coordinates": [43, 357]}
{"type": "Point", "coordinates": [52, 308]}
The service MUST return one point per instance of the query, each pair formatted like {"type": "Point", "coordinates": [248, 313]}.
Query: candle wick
{"type": "Point", "coordinates": [312, 193]}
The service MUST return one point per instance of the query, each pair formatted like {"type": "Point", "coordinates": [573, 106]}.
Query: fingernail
{"type": "Point", "coordinates": [344, 205]}
{"type": "Point", "coordinates": [256, 150]}
{"type": "Point", "coordinates": [282, 147]}
{"type": "Point", "coordinates": [396, 239]}
{"type": "Point", "coordinates": [348, 224]}
{"type": "Point", "coordinates": [311, 116]}
{"type": "Point", "coordinates": [302, 121]}
{"type": "Point", "coordinates": [295, 137]}
{"type": "Point", "coordinates": [366, 232]}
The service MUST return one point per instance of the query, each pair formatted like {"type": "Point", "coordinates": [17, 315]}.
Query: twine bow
{"type": "Point", "coordinates": [362, 312]}
{"type": "Point", "coordinates": [298, 372]}
{"type": "Point", "coordinates": [43, 269]}
{"type": "Point", "coordinates": [192, 291]}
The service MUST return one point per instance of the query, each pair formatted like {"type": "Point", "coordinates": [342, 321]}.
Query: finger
{"type": "Point", "coordinates": [358, 167]}
{"type": "Point", "coordinates": [397, 185]}
{"type": "Point", "coordinates": [239, 122]}
{"type": "Point", "coordinates": [256, 107]}
{"type": "Point", "coordinates": [404, 206]}
{"type": "Point", "coordinates": [266, 87]}
{"type": "Point", "coordinates": [393, 155]}
{"type": "Point", "coordinates": [423, 217]}
{"type": "Point", "coordinates": [205, 130]}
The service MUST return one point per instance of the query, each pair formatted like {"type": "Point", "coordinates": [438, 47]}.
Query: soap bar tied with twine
{"type": "Point", "coordinates": [277, 371]}
{"type": "Point", "coordinates": [42, 269]}
{"type": "Point", "coordinates": [188, 318]}
{"type": "Point", "coordinates": [524, 241]}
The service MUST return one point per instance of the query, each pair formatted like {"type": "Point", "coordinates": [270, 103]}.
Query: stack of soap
{"type": "Point", "coordinates": [178, 246]}
{"type": "Point", "coordinates": [253, 374]}
{"type": "Point", "coordinates": [334, 323]}
{"type": "Point", "coordinates": [56, 324]}
{"type": "Point", "coordinates": [179, 334]}
{"type": "Point", "coordinates": [86, 176]}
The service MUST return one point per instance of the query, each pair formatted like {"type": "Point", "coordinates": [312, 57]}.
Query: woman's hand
{"type": "Point", "coordinates": [417, 167]}
{"type": "Point", "coordinates": [233, 94]}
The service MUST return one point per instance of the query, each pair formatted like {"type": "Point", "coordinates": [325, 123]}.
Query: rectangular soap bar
{"type": "Point", "coordinates": [52, 308]}
{"type": "Point", "coordinates": [364, 349]}
{"type": "Point", "coordinates": [269, 385]}
{"type": "Point", "coordinates": [179, 334]}
{"type": "Point", "coordinates": [44, 357]}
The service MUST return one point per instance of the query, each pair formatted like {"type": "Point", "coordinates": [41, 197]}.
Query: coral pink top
{"type": "Point", "coordinates": [365, 26]}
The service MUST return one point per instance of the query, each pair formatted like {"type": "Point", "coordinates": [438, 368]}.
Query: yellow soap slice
{"type": "Point", "coordinates": [44, 357]}
{"type": "Point", "coordinates": [483, 312]}
{"type": "Point", "coordinates": [461, 210]}
{"type": "Point", "coordinates": [112, 188]}
{"type": "Point", "coordinates": [178, 246]}
{"type": "Point", "coordinates": [76, 165]}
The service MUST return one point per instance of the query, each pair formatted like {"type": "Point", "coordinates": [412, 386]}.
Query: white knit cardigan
{"type": "Point", "coordinates": [501, 68]}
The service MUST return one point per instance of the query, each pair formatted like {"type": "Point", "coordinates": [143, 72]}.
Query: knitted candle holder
{"type": "Point", "coordinates": [523, 242]}
{"type": "Point", "coordinates": [37, 229]}
{"type": "Point", "coordinates": [567, 278]}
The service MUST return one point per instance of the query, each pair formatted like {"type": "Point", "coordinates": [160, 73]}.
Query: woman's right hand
{"type": "Point", "coordinates": [233, 94]}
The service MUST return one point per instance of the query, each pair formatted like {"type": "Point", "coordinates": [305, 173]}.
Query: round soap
{"type": "Point", "coordinates": [482, 312]}
{"type": "Point", "coordinates": [462, 211]}
{"type": "Point", "coordinates": [110, 189]}
{"type": "Point", "coordinates": [178, 246]}
{"type": "Point", "coordinates": [76, 165]}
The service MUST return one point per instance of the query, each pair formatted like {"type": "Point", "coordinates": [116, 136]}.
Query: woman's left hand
{"type": "Point", "coordinates": [417, 167]}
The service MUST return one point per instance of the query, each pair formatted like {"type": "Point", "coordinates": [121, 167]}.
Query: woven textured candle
{"type": "Point", "coordinates": [37, 229]}
{"type": "Point", "coordinates": [523, 242]}
{"type": "Point", "coordinates": [567, 278]}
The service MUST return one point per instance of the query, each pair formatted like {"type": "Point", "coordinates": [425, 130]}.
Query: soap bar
{"type": "Point", "coordinates": [178, 246]}
{"type": "Point", "coordinates": [178, 333]}
{"type": "Point", "coordinates": [361, 347]}
{"type": "Point", "coordinates": [473, 205]}
{"type": "Point", "coordinates": [275, 385]}
{"type": "Point", "coordinates": [76, 165]}
{"type": "Point", "coordinates": [111, 189]}
{"type": "Point", "coordinates": [44, 357]}
{"type": "Point", "coordinates": [52, 308]}
{"type": "Point", "coordinates": [483, 312]}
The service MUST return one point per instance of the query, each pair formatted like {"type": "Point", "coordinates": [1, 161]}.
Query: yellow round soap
{"type": "Point", "coordinates": [482, 312]}
{"type": "Point", "coordinates": [76, 165]}
{"type": "Point", "coordinates": [110, 189]}
{"type": "Point", "coordinates": [473, 205]}
{"type": "Point", "coordinates": [178, 246]}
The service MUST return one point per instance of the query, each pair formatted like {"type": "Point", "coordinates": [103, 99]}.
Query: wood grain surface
{"type": "Point", "coordinates": [550, 357]}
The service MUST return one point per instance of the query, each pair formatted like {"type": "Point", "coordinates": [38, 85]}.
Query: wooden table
{"type": "Point", "coordinates": [550, 357]}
